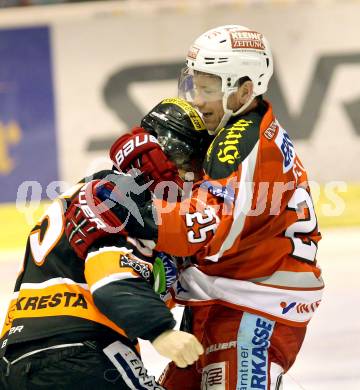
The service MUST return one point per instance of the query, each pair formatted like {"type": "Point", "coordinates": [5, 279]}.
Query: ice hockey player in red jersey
{"type": "Point", "coordinates": [253, 282]}
{"type": "Point", "coordinates": [77, 312]}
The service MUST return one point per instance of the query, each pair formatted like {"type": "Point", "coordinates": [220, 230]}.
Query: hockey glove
{"type": "Point", "coordinates": [141, 150]}
{"type": "Point", "coordinates": [181, 347]}
{"type": "Point", "coordinates": [108, 206]}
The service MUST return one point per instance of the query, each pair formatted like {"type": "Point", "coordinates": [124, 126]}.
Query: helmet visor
{"type": "Point", "coordinates": [177, 150]}
{"type": "Point", "coordinates": [194, 85]}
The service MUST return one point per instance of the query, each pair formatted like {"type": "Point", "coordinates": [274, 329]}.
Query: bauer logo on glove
{"type": "Point", "coordinates": [100, 224]}
{"type": "Point", "coordinates": [104, 207]}
{"type": "Point", "coordinates": [125, 150]}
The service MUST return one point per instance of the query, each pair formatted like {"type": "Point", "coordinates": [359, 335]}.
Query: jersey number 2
{"type": "Point", "coordinates": [42, 246]}
{"type": "Point", "coordinates": [303, 249]}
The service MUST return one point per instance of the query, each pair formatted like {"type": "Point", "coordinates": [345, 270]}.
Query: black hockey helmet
{"type": "Point", "coordinates": [179, 129]}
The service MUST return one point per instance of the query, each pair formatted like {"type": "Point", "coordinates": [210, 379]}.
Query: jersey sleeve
{"type": "Point", "coordinates": [186, 228]}
{"type": "Point", "coordinates": [121, 285]}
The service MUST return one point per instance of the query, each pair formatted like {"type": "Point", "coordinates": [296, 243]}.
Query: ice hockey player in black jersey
{"type": "Point", "coordinates": [77, 310]}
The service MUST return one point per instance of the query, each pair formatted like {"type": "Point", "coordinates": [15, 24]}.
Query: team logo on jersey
{"type": "Point", "coordinates": [225, 192]}
{"type": "Point", "coordinates": [247, 40]}
{"type": "Point", "coordinates": [287, 149]}
{"type": "Point", "coordinates": [286, 307]}
{"type": "Point", "coordinates": [229, 152]}
{"type": "Point", "coordinates": [271, 131]}
{"type": "Point", "coordinates": [300, 307]}
{"type": "Point", "coordinates": [140, 267]}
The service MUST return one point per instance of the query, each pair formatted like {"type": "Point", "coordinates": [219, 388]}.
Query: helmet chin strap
{"type": "Point", "coordinates": [229, 113]}
{"type": "Point", "coordinates": [224, 120]}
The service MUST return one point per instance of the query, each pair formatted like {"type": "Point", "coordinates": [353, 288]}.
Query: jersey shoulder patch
{"type": "Point", "coordinates": [232, 145]}
{"type": "Point", "coordinates": [286, 148]}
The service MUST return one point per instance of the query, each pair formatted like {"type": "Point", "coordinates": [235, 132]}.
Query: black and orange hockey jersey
{"type": "Point", "coordinates": [250, 224]}
{"type": "Point", "coordinates": [58, 294]}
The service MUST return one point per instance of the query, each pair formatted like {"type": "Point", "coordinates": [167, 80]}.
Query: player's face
{"type": "Point", "coordinates": [208, 99]}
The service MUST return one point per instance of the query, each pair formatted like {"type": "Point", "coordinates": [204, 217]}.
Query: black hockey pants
{"type": "Point", "coordinates": [82, 367]}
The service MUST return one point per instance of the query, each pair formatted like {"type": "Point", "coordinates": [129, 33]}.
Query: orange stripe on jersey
{"type": "Point", "coordinates": [57, 300]}
{"type": "Point", "coordinates": [8, 318]}
{"type": "Point", "coordinates": [105, 266]}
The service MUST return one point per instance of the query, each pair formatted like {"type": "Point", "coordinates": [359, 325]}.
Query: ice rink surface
{"type": "Point", "coordinates": [330, 357]}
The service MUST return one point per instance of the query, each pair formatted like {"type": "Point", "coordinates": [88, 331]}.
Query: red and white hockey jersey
{"type": "Point", "coordinates": [250, 225]}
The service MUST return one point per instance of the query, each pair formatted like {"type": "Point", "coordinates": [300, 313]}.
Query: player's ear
{"type": "Point", "coordinates": [245, 91]}
{"type": "Point", "coordinates": [241, 96]}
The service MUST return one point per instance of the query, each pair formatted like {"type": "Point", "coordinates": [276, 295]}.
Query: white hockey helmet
{"type": "Point", "coordinates": [230, 52]}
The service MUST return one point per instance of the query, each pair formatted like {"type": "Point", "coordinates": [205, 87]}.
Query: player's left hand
{"type": "Point", "coordinates": [142, 151]}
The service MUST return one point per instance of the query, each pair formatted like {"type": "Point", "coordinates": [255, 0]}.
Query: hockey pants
{"type": "Point", "coordinates": [81, 366]}
{"type": "Point", "coordinates": [243, 351]}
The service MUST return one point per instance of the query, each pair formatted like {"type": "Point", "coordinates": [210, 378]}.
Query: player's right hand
{"type": "Point", "coordinates": [87, 219]}
{"type": "Point", "coordinates": [116, 204]}
{"type": "Point", "coordinates": [181, 347]}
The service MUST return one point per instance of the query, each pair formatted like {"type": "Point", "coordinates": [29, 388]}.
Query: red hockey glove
{"type": "Point", "coordinates": [141, 150]}
{"type": "Point", "coordinates": [85, 223]}
{"type": "Point", "coordinates": [106, 207]}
